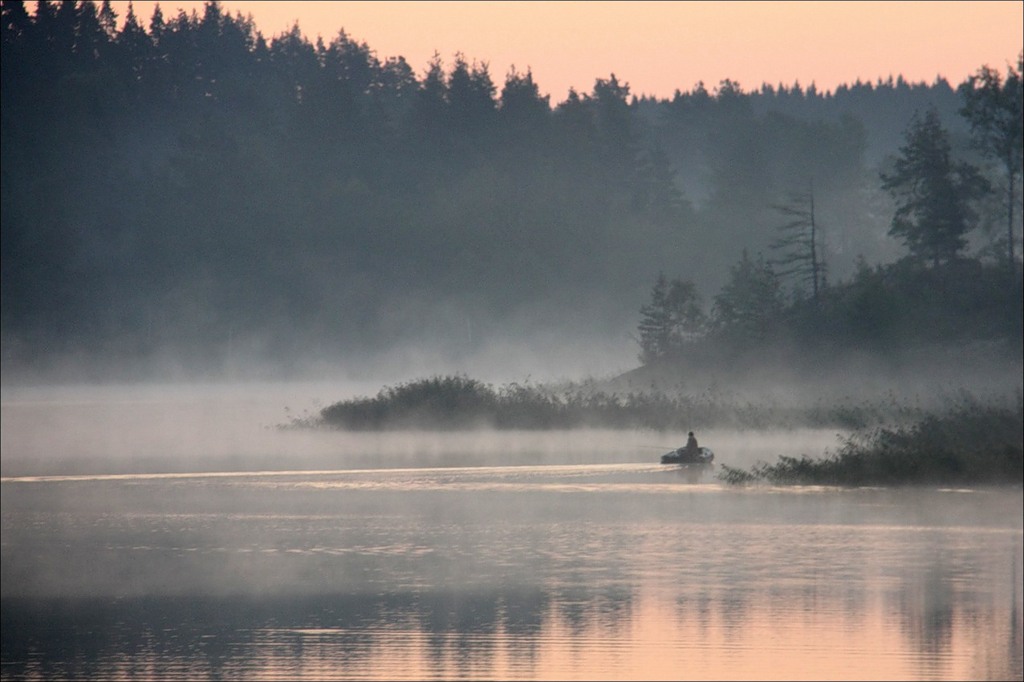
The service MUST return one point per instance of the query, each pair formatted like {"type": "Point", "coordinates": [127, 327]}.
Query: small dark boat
{"type": "Point", "coordinates": [684, 456]}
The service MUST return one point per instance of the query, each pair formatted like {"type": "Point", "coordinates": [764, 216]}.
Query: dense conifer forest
{"type": "Point", "coordinates": [182, 187]}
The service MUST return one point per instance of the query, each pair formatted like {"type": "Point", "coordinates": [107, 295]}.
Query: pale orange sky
{"type": "Point", "coordinates": [658, 47]}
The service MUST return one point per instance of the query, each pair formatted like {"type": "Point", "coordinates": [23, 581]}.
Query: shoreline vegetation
{"type": "Point", "coordinates": [457, 402]}
{"type": "Point", "coordinates": [968, 440]}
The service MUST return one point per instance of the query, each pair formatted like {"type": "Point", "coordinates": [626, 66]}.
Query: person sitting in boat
{"type": "Point", "coordinates": [692, 448]}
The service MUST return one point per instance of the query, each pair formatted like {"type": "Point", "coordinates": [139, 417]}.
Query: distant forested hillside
{"type": "Point", "coordinates": [185, 187]}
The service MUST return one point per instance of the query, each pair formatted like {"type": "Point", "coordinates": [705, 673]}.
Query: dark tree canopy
{"type": "Point", "coordinates": [673, 318]}
{"type": "Point", "coordinates": [933, 192]}
{"type": "Point", "coordinates": [184, 187]}
{"type": "Point", "coordinates": [750, 303]}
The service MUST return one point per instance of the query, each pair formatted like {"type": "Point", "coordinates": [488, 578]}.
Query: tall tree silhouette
{"type": "Point", "coordinates": [933, 193]}
{"type": "Point", "coordinates": [994, 106]}
{"type": "Point", "coordinates": [429, 113]}
{"type": "Point", "coordinates": [673, 318]}
{"type": "Point", "coordinates": [747, 308]}
{"type": "Point", "coordinates": [521, 105]}
{"type": "Point", "coordinates": [470, 97]}
{"type": "Point", "coordinates": [798, 246]}
{"type": "Point", "coordinates": [617, 140]}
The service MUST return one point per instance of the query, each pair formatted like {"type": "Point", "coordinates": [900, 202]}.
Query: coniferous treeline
{"type": "Point", "coordinates": [937, 293]}
{"type": "Point", "coordinates": [183, 185]}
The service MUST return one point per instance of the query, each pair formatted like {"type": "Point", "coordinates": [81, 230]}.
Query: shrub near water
{"type": "Point", "coordinates": [969, 443]}
{"type": "Point", "coordinates": [458, 402]}
{"type": "Point", "coordinates": [438, 402]}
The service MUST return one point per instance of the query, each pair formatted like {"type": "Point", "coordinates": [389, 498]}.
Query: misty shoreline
{"type": "Point", "coordinates": [755, 414]}
{"type": "Point", "coordinates": [965, 440]}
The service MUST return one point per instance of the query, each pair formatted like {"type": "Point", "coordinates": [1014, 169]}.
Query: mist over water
{"type": "Point", "coordinates": [194, 427]}
{"type": "Point", "coordinates": [235, 424]}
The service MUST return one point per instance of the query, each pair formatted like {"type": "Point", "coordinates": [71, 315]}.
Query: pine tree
{"type": "Point", "coordinates": [933, 193]}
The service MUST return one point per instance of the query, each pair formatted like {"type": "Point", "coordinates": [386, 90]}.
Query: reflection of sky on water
{"type": "Point", "coordinates": [568, 572]}
{"type": "Point", "coordinates": [559, 633]}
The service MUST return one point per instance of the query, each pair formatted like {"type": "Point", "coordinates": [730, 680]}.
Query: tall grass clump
{"type": "Point", "coordinates": [969, 442]}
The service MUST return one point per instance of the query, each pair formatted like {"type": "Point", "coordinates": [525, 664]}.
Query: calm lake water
{"type": "Point", "coordinates": [421, 556]}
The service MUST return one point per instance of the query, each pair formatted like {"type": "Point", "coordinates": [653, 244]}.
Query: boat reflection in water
{"type": "Point", "coordinates": [610, 571]}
